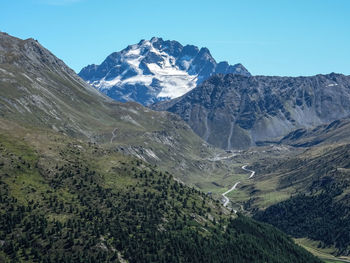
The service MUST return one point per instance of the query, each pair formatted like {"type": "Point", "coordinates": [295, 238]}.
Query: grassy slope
{"type": "Point", "coordinates": [65, 199]}
{"type": "Point", "coordinates": [300, 174]}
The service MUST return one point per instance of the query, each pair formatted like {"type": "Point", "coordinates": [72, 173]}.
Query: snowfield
{"type": "Point", "coordinates": [175, 82]}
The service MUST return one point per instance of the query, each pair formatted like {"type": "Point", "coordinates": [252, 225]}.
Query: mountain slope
{"type": "Point", "coordinates": [318, 204]}
{"type": "Point", "coordinates": [233, 111]}
{"type": "Point", "coordinates": [155, 70]}
{"type": "Point", "coordinates": [66, 200]}
{"type": "Point", "coordinates": [39, 90]}
{"type": "Point", "coordinates": [337, 131]}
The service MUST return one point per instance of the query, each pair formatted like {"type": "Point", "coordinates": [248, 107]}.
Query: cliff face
{"type": "Point", "coordinates": [232, 111]}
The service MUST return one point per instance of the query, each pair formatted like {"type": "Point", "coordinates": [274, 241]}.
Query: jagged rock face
{"type": "Point", "coordinates": [155, 70]}
{"type": "Point", "coordinates": [232, 111]}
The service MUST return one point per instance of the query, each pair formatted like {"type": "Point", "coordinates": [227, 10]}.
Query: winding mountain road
{"type": "Point", "coordinates": [252, 172]}
{"type": "Point", "coordinates": [224, 194]}
{"type": "Point", "coordinates": [227, 200]}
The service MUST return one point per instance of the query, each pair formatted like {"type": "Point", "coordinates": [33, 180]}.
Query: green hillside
{"type": "Point", "coordinates": [65, 200]}
{"type": "Point", "coordinates": [306, 196]}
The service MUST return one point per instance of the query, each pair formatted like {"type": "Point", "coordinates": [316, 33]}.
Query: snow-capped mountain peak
{"type": "Point", "coordinates": [154, 70]}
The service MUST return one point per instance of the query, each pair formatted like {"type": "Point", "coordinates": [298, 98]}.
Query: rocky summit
{"type": "Point", "coordinates": [155, 70]}
{"type": "Point", "coordinates": [233, 111]}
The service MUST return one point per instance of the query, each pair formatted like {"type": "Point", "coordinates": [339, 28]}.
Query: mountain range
{"type": "Point", "coordinates": [233, 111]}
{"type": "Point", "coordinates": [84, 178]}
{"type": "Point", "coordinates": [155, 70]}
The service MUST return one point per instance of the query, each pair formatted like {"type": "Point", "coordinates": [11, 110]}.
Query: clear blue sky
{"type": "Point", "coordinates": [269, 37]}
